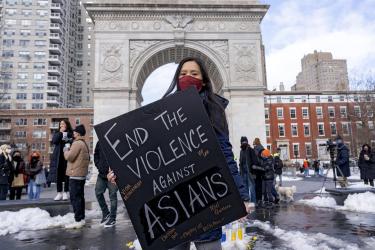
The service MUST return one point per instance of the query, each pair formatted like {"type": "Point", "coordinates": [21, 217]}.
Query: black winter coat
{"type": "Point", "coordinates": [100, 161]}
{"type": "Point", "coordinates": [367, 167]}
{"type": "Point", "coordinates": [342, 160]}
{"type": "Point", "coordinates": [6, 170]}
{"type": "Point", "coordinates": [57, 158]}
{"type": "Point", "coordinates": [278, 165]}
{"type": "Point", "coordinates": [269, 173]}
{"type": "Point", "coordinates": [248, 158]}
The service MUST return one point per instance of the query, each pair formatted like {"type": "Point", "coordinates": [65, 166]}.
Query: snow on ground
{"type": "Point", "coordinates": [36, 219]}
{"type": "Point", "coordinates": [309, 241]}
{"type": "Point", "coordinates": [290, 178]}
{"type": "Point", "coordinates": [354, 176]}
{"type": "Point", "coordinates": [363, 202]}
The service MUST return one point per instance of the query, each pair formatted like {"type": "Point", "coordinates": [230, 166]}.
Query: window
{"type": "Point", "coordinates": [21, 122]}
{"type": "Point", "coordinates": [291, 98]}
{"type": "Point", "coordinates": [359, 124]}
{"type": "Point", "coordinates": [330, 98]}
{"type": "Point", "coordinates": [331, 112]}
{"type": "Point", "coordinates": [42, 12]}
{"type": "Point", "coordinates": [293, 113]}
{"type": "Point", "coordinates": [281, 130]}
{"type": "Point", "coordinates": [22, 75]}
{"type": "Point", "coordinates": [24, 43]}
{"type": "Point", "coordinates": [303, 98]}
{"type": "Point", "coordinates": [40, 122]}
{"type": "Point", "coordinates": [40, 43]}
{"type": "Point", "coordinates": [6, 65]}
{"type": "Point", "coordinates": [27, 2]}
{"type": "Point", "coordinates": [39, 134]}
{"type": "Point", "coordinates": [9, 32]}
{"type": "Point", "coordinates": [38, 85]}
{"type": "Point", "coordinates": [342, 98]}
{"type": "Point", "coordinates": [321, 129]}
{"type": "Point", "coordinates": [10, 22]}
{"type": "Point", "coordinates": [20, 134]}
{"type": "Point", "coordinates": [319, 112]}
{"type": "Point", "coordinates": [39, 65]}
{"type": "Point", "coordinates": [8, 42]}
{"type": "Point", "coordinates": [8, 53]}
{"type": "Point", "coordinates": [25, 32]}
{"type": "Point", "coordinates": [22, 85]}
{"type": "Point", "coordinates": [308, 149]}
{"type": "Point", "coordinates": [10, 12]}
{"type": "Point", "coordinates": [78, 121]}
{"type": "Point", "coordinates": [37, 106]}
{"type": "Point", "coordinates": [371, 124]}
{"type": "Point", "coordinates": [40, 54]}
{"type": "Point", "coordinates": [21, 96]}
{"type": "Point", "coordinates": [41, 24]}
{"type": "Point", "coordinates": [42, 2]}
{"type": "Point", "coordinates": [26, 22]}
{"type": "Point", "coordinates": [11, 2]}
{"type": "Point", "coordinates": [266, 113]}
{"type": "Point", "coordinates": [294, 129]}
{"type": "Point", "coordinates": [317, 99]}
{"type": "Point", "coordinates": [305, 113]}
{"type": "Point", "coordinates": [20, 105]}
{"type": "Point", "coordinates": [27, 12]}
{"type": "Point", "coordinates": [40, 146]}
{"type": "Point", "coordinates": [296, 149]}
{"type": "Point", "coordinates": [356, 99]}
{"type": "Point", "coordinates": [343, 113]}
{"type": "Point", "coordinates": [37, 96]}
{"type": "Point", "coordinates": [6, 75]}
{"type": "Point", "coordinates": [357, 111]}
{"type": "Point", "coordinates": [38, 76]}
{"type": "Point", "coordinates": [345, 128]}
{"type": "Point", "coordinates": [40, 33]}
{"type": "Point", "coordinates": [21, 146]}
{"type": "Point", "coordinates": [278, 99]}
{"type": "Point", "coordinates": [280, 113]}
{"type": "Point", "coordinates": [333, 128]}
{"type": "Point", "coordinates": [267, 130]}
{"type": "Point", "coordinates": [24, 54]}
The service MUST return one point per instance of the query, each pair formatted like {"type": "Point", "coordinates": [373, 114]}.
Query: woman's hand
{"type": "Point", "coordinates": [111, 177]}
{"type": "Point", "coordinates": [249, 208]}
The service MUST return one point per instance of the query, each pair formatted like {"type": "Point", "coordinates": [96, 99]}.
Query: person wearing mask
{"type": "Point", "coordinates": [191, 72]}
{"type": "Point", "coordinates": [247, 160]}
{"type": "Point", "coordinates": [18, 176]}
{"type": "Point", "coordinates": [342, 162]}
{"type": "Point", "coordinates": [58, 163]}
{"type": "Point", "coordinates": [268, 178]}
{"type": "Point", "coordinates": [78, 158]}
{"type": "Point", "coordinates": [6, 170]}
{"type": "Point", "coordinates": [278, 166]}
{"type": "Point", "coordinates": [366, 164]}
{"type": "Point", "coordinates": [33, 168]}
{"type": "Point", "coordinates": [259, 172]}
{"type": "Point", "coordinates": [102, 184]}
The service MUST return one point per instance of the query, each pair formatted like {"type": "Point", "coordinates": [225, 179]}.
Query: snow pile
{"type": "Point", "coordinates": [322, 190]}
{"type": "Point", "coordinates": [30, 219]}
{"type": "Point", "coordinates": [296, 239]}
{"type": "Point", "coordinates": [318, 201]}
{"type": "Point", "coordinates": [364, 202]}
{"type": "Point", "coordinates": [291, 178]}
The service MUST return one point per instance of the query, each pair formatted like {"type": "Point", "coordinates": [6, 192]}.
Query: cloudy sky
{"type": "Point", "coordinates": [294, 28]}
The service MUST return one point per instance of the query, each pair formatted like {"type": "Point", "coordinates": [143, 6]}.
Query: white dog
{"type": "Point", "coordinates": [286, 193]}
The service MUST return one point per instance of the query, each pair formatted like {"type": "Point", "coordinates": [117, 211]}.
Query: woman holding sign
{"type": "Point", "coordinates": [191, 72]}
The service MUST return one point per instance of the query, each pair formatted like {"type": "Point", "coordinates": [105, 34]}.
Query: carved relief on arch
{"type": "Point", "coordinates": [137, 47]}
{"type": "Point", "coordinates": [221, 48]}
{"type": "Point", "coordinates": [244, 63]}
{"type": "Point", "coordinates": [111, 62]}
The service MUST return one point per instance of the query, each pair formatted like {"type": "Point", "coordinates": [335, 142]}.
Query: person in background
{"type": "Point", "coordinates": [259, 172]}
{"type": "Point", "coordinates": [33, 168]}
{"type": "Point", "coordinates": [78, 157]}
{"type": "Point", "coordinates": [366, 165]}
{"type": "Point", "coordinates": [58, 163]}
{"type": "Point", "coordinates": [18, 182]}
{"type": "Point", "coordinates": [278, 166]}
{"type": "Point", "coordinates": [102, 184]}
{"type": "Point", "coordinates": [6, 170]}
{"type": "Point", "coordinates": [191, 72]}
{"type": "Point", "coordinates": [268, 178]}
{"type": "Point", "coordinates": [342, 162]}
{"type": "Point", "coordinates": [247, 161]}
{"type": "Point", "coordinates": [316, 167]}
{"type": "Point", "coordinates": [306, 166]}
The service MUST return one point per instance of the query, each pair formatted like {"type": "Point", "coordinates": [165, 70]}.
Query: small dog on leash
{"type": "Point", "coordinates": [286, 193]}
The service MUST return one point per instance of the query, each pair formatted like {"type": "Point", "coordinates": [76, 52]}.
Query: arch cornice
{"type": "Point", "coordinates": [198, 46]}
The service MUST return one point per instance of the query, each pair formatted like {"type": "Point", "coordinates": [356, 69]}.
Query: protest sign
{"type": "Point", "coordinates": [171, 172]}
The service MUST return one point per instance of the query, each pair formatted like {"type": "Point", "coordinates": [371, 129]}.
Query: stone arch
{"type": "Point", "coordinates": [167, 52]}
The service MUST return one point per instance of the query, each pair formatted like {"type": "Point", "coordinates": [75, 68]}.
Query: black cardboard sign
{"type": "Point", "coordinates": [171, 172]}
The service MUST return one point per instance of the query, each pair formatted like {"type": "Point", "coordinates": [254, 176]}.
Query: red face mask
{"type": "Point", "coordinates": [187, 81]}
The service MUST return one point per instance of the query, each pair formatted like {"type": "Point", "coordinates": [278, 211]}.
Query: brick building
{"type": "Point", "coordinates": [300, 123]}
{"type": "Point", "coordinates": [29, 130]}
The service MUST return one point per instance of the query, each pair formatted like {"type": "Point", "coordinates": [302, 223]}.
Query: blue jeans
{"type": "Point", "coordinates": [4, 191]}
{"type": "Point", "coordinates": [102, 184]}
{"type": "Point", "coordinates": [249, 183]}
{"type": "Point", "coordinates": [306, 173]}
{"type": "Point", "coordinates": [33, 190]}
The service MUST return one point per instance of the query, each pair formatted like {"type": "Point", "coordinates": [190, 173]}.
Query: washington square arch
{"type": "Point", "coordinates": [133, 38]}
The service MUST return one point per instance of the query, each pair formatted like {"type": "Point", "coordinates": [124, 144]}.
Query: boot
{"type": "Point", "coordinates": [58, 197]}
{"type": "Point", "coordinates": [65, 196]}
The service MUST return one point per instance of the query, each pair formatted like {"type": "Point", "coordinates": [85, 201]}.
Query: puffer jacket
{"type": "Point", "coordinates": [78, 158]}
{"type": "Point", "coordinates": [367, 167]}
{"type": "Point", "coordinates": [342, 160]}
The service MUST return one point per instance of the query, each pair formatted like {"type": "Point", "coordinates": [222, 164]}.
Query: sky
{"type": "Point", "coordinates": [294, 28]}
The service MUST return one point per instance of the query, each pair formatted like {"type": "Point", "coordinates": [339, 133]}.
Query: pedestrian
{"type": "Point", "coordinates": [316, 167]}
{"type": "Point", "coordinates": [247, 160]}
{"type": "Point", "coordinates": [102, 184]}
{"type": "Point", "coordinates": [6, 170]}
{"type": "Point", "coordinates": [18, 182]}
{"type": "Point", "coordinates": [259, 172]}
{"type": "Point", "coordinates": [278, 165]}
{"type": "Point", "coordinates": [191, 72]}
{"type": "Point", "coordinates": [321, 168]}
{"type": "Point", "coordinates": [366, 165]}
{"type": "Point", "coordinates": [78, 158]}
{"type": "Point", "coordinates": [58, 163]}
{"type": "Point", "coordinates": [342, 162]}
{"type": "Point", "coordinates": [268, 178]}
{"type": "Point", "coordinates": [34, 169]}
{"type": "Point", "coordinates": [306, 166]}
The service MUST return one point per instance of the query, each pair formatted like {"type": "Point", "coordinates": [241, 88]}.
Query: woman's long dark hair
{"type": "Point", "coordinates": [68, 125]}
{"type": "Point", "coordinates": [215, 110]}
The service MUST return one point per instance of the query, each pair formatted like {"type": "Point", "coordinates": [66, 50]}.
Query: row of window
{"type": "Point", "coordinates": [25, 32]}
{"type": "Point", "coordinates": [25, 12]}
{"type": "Point", "coordinates": [27, 2]}
{"type": "Point", "coordinates": [41, 121]}
{"type": "Point", "coordinates": [24, 54]}
{"type": "Point", "coordinates": [346, 129]}
{"type": "Point", "coordinates": [40, 146]}
{"type": "Point", "coordinates": [319, 112]}
{"type": "Point", "coordinates": [21, 106]}
{"type": "Point", "coordinates": [24, 43]}
{"type": "Point", "coordinates": [23, 76]}
{"type": "Point", "coordinates": [20, 85]}
{"type": "Point", "coordinates": [35, 96]}
{"type": "Point", "coordinates": [318, 99]}
{"type": "Point", "coordinates": [27, 22]}
{"type": "Point", "coordinates": [22, 65]}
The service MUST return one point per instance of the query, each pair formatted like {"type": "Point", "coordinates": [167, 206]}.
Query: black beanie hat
{"type": "Point", "coordinates": [80, 129]}
{"type": "Point", "coordinates": [244, 139]}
